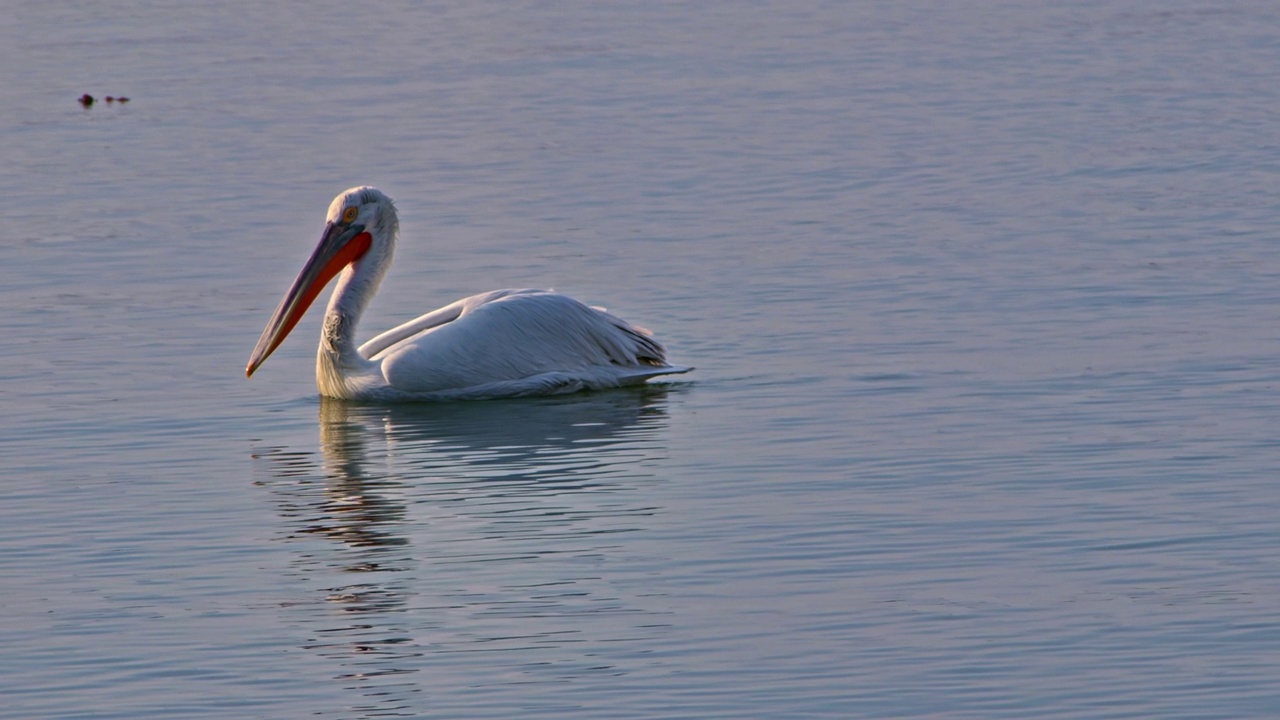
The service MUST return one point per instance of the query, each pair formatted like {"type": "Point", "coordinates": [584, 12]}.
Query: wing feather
{"type": "Point", "coordinates": [443, 315]}
{"type": "Point", "coordinates": [513, 335]}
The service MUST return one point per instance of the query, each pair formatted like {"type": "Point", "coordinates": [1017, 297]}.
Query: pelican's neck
{"type": "Point", "coordinates": [341, 371]}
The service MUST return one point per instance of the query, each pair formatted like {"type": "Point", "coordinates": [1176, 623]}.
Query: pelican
{"type": "Point", "coordinates": [502, 343]}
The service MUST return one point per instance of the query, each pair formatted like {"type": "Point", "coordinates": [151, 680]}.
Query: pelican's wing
{"type": "Point", "coordinates": [448, 313]}
{"type": "Point", "coordinates": [510, 336]}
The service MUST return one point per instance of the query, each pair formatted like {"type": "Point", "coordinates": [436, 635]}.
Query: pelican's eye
{"type": "Point", "coordinates": [350, 214]}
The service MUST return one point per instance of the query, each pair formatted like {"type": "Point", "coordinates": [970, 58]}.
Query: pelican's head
{"type": "Point", "coordinates": [361, 227]}
{"type": "Point", "coordinates": [367, 208]}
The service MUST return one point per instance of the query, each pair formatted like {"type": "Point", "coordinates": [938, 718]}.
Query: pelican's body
{"type": "Point", "coordinates": [503, 343]}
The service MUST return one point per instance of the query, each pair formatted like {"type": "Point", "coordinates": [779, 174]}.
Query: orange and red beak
{"type": "Point", "coordinates": [340, 246]}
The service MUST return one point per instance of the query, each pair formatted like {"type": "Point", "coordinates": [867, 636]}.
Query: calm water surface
{"type": "Point", "coordinates": [982, 297]}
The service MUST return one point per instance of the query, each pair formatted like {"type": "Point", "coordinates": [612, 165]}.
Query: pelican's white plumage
{"type": "Point", "coordinates": [503, 343]}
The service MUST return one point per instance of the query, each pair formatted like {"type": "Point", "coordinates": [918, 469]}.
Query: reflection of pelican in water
{"type": "Point", "coordinates": [462, 527]}
{"type": "Point", "coordinates": [375, 455]}
{"type": "Point", "coordinates": [551, 440]}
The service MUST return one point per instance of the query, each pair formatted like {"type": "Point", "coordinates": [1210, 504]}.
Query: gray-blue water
{"type": "Point", "coordinates": [983, 299]}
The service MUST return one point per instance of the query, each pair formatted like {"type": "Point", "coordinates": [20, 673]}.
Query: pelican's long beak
{"type": "Point", "coordinates": [339, 246]}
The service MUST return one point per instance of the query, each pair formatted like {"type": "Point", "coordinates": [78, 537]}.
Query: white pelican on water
{"type": "Point", "coordinates": [503, 343]}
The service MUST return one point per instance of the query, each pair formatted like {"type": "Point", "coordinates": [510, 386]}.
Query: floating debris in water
{"type": "Point", "coordinates": [86, 99]}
